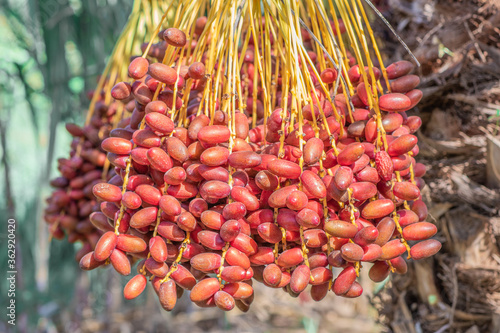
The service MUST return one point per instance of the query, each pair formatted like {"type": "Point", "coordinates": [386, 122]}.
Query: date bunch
{"type": "Point", "coordinates": [210, 200]}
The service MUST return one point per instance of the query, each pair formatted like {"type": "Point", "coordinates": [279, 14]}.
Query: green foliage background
{"type": "Point", "coordinates": [51, 52]}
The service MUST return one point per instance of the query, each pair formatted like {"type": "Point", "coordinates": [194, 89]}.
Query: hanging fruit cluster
{"type": "Point", "coordinates": [268, 144]}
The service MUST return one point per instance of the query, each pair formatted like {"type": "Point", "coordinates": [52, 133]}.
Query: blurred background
{"type": "Point", "coordinates": [51, 53]}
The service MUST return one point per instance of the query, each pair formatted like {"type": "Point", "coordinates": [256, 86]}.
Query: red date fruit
{"type": "Point", "coordinates": [300, 278]}
{"type": "Point", "coordinates": [425, 249]}
{"type": "Point", "coordinates": [344, 281]}
{"type": "Point", "coordinates": [138, 68]}
{"type": "Point", "coordinates": [224, 300]}
{"type": "Point", "coordinates": [392, 249]}
{"type": "Point", "coordinates": [175, 37]}
{"type": "Point", "coordinates": [283, 168]}
{"type": "Point", "coordinates": [419, 231]}
{"type": "Point", "coordinates": [204, 289]}
{"type": "Point", "coordinates": [167, 294]}
{"type": "Point", "coordinates": [290, 258]}
{"type": "Point", "coordinates": [105, 246]}
{"type": "Point", "coordinates": [135, 286]}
